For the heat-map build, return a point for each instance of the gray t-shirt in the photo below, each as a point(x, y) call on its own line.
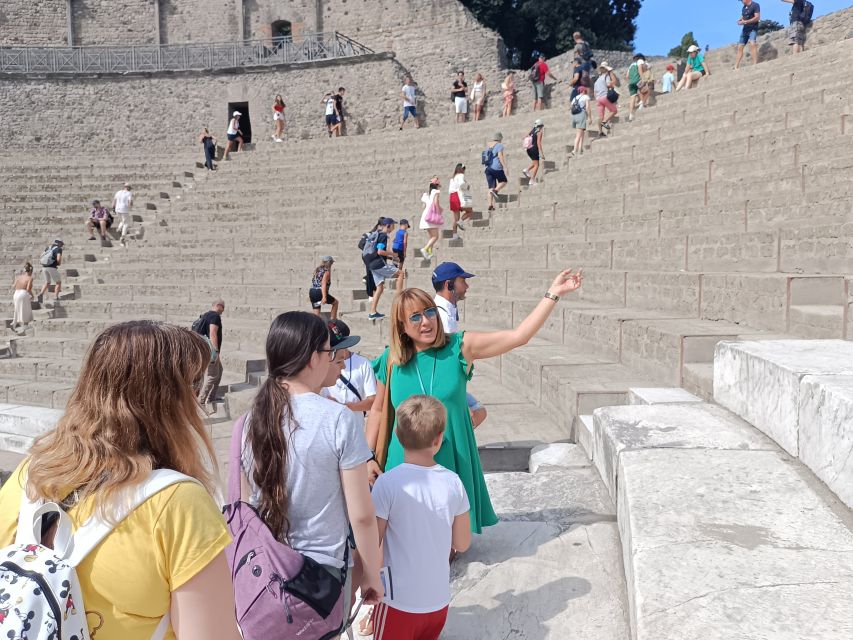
point(327, 440)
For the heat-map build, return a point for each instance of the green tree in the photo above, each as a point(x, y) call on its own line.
point(681, 50)
point(547, 25)
point(768, 26)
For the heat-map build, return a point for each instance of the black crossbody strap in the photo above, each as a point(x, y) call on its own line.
point(350, 387)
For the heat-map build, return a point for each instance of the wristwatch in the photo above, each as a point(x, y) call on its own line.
point(551, 296)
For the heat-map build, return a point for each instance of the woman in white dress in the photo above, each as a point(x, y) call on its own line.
point(478, 95)
point(430, 200)
point(23, 296)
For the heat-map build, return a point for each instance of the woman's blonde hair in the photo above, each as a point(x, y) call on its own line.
point(133, 410)
point(410, 301)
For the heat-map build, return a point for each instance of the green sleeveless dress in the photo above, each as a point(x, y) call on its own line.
point(443, 373)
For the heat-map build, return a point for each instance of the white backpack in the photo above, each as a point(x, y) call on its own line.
point(40, 595)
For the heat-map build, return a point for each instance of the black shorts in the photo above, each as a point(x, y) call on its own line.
point(401, 255)
point(233, 136)
point(533, 153)
point(331, 119)
point(494, 176)
point(316, 295)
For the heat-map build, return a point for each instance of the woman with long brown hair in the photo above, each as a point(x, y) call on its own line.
point(304, 461)
point(422, 359)
point(134, 411)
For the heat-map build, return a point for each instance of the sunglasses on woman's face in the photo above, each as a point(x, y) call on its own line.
point(332, 353)
point(429, 314)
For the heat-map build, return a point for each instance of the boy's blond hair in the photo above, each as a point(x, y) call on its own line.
point(420, 420)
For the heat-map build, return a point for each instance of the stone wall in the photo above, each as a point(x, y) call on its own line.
point(36, 23)
point(208, 21)
point(118, 22)
point(98, 113)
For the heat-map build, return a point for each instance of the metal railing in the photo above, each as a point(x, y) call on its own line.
point(180, 57)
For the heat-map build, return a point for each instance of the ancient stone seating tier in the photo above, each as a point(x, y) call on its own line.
point(718, 220)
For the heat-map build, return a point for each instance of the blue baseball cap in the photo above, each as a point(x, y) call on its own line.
point(388, 221)
point(449, 271)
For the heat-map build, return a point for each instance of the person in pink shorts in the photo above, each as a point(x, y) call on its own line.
point(605, 83)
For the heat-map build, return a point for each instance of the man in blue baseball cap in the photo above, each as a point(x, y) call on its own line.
point(450, 282)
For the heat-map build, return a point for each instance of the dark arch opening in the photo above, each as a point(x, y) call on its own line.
point(282, 31)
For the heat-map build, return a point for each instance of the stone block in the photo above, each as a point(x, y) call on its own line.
point(744, 251)
point(649, 255)
point(660, 395)
point(666, 426)
point(20, 425)
point(676, 292)
point(722, 544)
point(826, 431)
point(564, 455)
point(756, 300)
point(760, 380)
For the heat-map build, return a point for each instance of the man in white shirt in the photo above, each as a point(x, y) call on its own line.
point(450, 282)
point(122, 204)
point(356, 385)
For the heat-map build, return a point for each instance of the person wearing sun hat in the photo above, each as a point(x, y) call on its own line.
point(234, 134)
point(495, 163)
point(355, 386)
point(696, 68)
point(604, 84)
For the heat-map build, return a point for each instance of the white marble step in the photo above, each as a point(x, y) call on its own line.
point(723, 534)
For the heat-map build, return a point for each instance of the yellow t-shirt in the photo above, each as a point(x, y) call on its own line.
point(127, 579)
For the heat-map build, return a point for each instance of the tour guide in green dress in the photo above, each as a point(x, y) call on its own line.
point(426, 361)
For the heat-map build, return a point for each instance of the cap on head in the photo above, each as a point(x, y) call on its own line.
point(605, 65)
point(94, 202)
point(236, 113)
point(339, 335)
point(669, 67)
point(327, 259)
point(387, 221)
point(692, 48)
point(538, 122)
point(58, 241)
point(498, 136)
point(403, 221)
point(449, 271)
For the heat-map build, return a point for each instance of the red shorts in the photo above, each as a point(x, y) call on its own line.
point(455, 203)
point(392, 624)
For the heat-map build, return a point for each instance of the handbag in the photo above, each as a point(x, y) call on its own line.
point(278, 592)
point(433, 214)
point(612, 95)
point(386, 420)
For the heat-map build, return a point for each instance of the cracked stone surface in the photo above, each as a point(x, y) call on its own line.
point(760, 380)
point(672, 426)
point(826, 431)
point(732, 544)
point(551, 569)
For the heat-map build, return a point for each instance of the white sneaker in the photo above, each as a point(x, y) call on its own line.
point(640, 108)
point(455, 237)
point(526, 175)
point(278, 139)
point(461, 225)
point(424, 254)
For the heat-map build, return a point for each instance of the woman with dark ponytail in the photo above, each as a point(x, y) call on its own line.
point(304, 461)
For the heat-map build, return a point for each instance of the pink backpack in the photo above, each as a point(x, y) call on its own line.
point(278, 592)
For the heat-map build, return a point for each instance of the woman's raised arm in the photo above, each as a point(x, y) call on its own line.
point(477, 345)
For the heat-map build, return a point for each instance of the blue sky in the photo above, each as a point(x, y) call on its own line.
point(662, 23)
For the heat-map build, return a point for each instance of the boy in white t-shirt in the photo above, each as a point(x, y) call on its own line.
point(668, 79)
point(423, 513)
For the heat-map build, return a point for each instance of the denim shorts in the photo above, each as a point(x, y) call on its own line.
point(748, 34)
point(494, 176)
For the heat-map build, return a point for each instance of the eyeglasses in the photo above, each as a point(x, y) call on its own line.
point(332, 353)
point(429, 314)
